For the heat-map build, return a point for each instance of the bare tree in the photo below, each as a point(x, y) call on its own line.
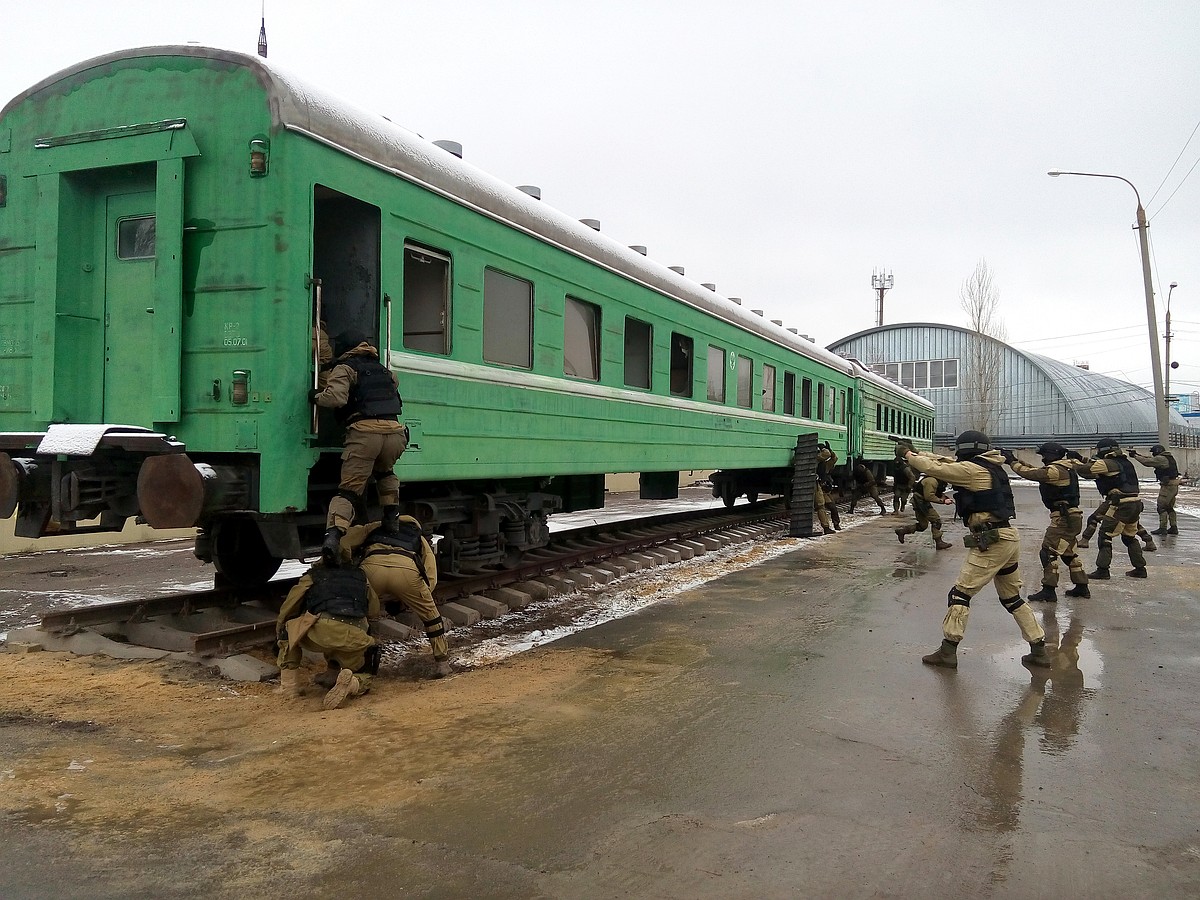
point(980, 300)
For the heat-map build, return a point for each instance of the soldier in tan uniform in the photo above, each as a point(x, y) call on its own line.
point(825, 494)
point(1097, 516)
point(986, 504)
point(327, 611)
point(1118, 484)
point(1058, 485)
point(864, 485)
point(365, 397)
point(400, 564)
point(902, 486)
point(929, 492)
point(1166, 470)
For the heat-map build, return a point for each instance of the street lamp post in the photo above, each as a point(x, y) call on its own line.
point(1160, 402)
point(1167, 337)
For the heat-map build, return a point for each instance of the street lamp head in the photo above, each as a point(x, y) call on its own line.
point(1174, 284)
point(1054, 173)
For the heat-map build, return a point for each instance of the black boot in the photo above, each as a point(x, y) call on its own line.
point(1159, 531)
point(1099, 575)
point(1037, 655)
point(833, 514)
point(1137, 572)
point(900, 533)
point(945, 656)
point(1080, 590)
point(1173, 530)
point(328, 678)
point(331, 549)
point(391, 519)
point(1047, 595)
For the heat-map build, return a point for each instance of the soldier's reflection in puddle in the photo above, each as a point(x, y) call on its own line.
point(1052, 704)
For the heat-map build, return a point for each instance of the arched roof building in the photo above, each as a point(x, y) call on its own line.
point(1032, 398)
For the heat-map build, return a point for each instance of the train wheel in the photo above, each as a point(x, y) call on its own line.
point(728, 494)
point(240, 554)
point(752, 497)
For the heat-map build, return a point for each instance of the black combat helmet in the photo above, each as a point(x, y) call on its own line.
point(1107, 445)
point(971, 443)
point(1157, 449)
point(1051, 450)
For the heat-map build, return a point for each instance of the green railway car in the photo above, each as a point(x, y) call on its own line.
point(175, 220)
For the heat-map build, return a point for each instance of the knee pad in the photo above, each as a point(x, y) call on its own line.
point(1046, 556)
point(1012, 604)
point(921, 526)
point(1007, 570)
point(348, 495)
point(434, 627)
point(958, 597)
point(1068, 559)
point(1128, 541)
point(1162, 508)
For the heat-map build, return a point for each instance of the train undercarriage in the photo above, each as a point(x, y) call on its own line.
point(74, 480)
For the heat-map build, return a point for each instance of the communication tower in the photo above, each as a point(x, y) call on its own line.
point(882, 282)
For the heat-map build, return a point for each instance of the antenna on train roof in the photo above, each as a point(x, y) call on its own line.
point(262, 33)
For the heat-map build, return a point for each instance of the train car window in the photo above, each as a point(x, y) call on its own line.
point(878, 418)
point(950, 376)
point(745, 382)
point(426, 299)
point(507, 319)
point(581, 340)
point(842, 405)
point(829, 410)
point(806, 398)
point(768, 389)
point(716, 374)
point(789, 393)
point(820, 401)
point(681, 365)
point(638, 343)
point(135, 238)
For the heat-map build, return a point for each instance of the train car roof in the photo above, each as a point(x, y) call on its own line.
point(299, 107)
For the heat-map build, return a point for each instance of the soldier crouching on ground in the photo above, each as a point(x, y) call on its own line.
point(327, 612)
point(1166, 470)
point(1058, 485)
point(400, 564)
point(1118, 484)
point(985, 503)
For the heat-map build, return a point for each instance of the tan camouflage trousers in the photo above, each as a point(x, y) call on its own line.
point(1059, 543)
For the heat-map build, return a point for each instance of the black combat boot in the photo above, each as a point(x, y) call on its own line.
point(1099, 575)
point(391, 519)
point(1173, 530)
point(331, 549)
point(945, 656)
point(1159, 531)
point(1080, 590)
point(939, 544)
point(833, 514)
point(900, 533)
point(1046, 595)
point(1037, 655)
point(1137, 572)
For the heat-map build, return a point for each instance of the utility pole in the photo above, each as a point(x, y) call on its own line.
point(882, 282)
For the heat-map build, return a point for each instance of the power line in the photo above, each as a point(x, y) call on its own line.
point(1172, 169)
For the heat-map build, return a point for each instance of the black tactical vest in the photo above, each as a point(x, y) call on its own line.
point(406, 539)
point(373, 396)
point(997, 500)
point(338, 592)
point(1053, 494)
point(1172, 471)
point(1123, 480)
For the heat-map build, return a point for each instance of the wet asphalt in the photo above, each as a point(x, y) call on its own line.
point(774, 733)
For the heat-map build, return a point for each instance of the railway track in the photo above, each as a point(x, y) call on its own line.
point(223, 621)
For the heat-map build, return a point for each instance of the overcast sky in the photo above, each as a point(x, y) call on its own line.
point(784, 150)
